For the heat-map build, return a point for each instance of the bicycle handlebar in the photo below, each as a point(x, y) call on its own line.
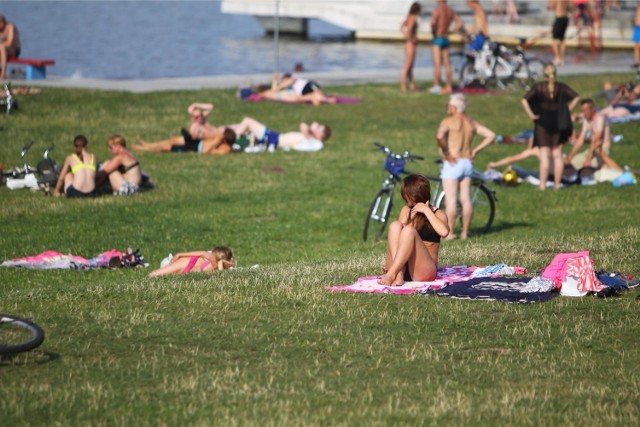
point(26, 148)
point(406, 155)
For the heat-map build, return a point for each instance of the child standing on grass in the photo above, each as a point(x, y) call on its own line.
point(220, 258)
point(414, 238)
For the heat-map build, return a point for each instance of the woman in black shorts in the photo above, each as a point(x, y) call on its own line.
point(545, 104)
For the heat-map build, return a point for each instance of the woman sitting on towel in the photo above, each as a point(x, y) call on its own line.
point(414, 238)
point(220, 258)
point(296, 90)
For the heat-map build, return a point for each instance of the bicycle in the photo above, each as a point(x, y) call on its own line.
point(383, 202)
point(47, 170)
point(497, 65)
point(483, 200)
point(18, 335)
point(482, 197)
point(9, 103)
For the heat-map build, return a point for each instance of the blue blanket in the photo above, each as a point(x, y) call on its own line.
point(510, 290)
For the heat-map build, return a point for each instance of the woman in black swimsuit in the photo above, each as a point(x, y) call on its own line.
point(123, 169)
point(414, 238)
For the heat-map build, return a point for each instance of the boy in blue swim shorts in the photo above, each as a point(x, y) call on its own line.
point(455, 135)
point(308, 138)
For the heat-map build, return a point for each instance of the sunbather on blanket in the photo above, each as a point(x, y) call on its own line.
point(220, 258)
point(214, 145)
point(296, 90)
point(199, 130)
point(414, 238)
point(626, 102)
point(308, 138)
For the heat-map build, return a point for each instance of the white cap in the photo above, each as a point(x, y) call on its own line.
point(458, 101)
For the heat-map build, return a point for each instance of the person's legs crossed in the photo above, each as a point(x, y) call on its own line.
point(413, 255)
point(393, 241)
point(249, 125)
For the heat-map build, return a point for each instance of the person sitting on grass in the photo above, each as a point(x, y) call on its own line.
point(78, 175)
point(594, 123)
point(220, 258)
point(214, 145)
point(123, 170)
point(294, 89)
point(414, 238)
point(308, 138)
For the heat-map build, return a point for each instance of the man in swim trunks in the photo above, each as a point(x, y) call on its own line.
point(480, 27)
point(455, 134)
point(214, 145)
point(441, 20)
point(309, 138)
point(558, 30)
point(10, 44)
point(78, 175)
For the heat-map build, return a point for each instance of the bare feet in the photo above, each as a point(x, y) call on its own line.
point(140, 140)
point(390, 280)
point(463, 236)
point(451, 236)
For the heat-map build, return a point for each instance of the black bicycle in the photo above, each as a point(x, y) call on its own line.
point(482, 197)
point(383, 202)
point(18, 335)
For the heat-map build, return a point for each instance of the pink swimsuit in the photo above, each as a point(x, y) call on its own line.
point(192, 262)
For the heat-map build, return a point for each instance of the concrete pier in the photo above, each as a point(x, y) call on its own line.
point(380, 19)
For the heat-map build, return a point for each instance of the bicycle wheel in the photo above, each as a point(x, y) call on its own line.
point(467, 74)
point(535, 70)
point(484, 209)
point(502, 73)
point(18, 335)
point(378, 214)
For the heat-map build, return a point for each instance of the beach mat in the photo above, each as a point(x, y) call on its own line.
point(511, 290)
point(446, 276)
point(256, 97)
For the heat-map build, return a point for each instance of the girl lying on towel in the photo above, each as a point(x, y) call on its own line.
point(414, 238)
point(220, 258)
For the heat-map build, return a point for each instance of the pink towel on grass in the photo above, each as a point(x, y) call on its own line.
point(255, 97)
point(446, 276)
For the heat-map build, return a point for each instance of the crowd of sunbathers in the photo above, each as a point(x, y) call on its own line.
point(204, 138)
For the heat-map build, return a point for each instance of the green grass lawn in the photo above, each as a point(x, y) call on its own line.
point(269, 346)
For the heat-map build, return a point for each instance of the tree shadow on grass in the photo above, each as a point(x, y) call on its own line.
point(34, 357)
point(504, 226)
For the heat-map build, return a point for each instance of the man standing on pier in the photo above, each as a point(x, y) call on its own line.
point(558, 30)
point(441, 20)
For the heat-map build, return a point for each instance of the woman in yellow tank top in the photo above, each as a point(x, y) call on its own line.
point(78, 174)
